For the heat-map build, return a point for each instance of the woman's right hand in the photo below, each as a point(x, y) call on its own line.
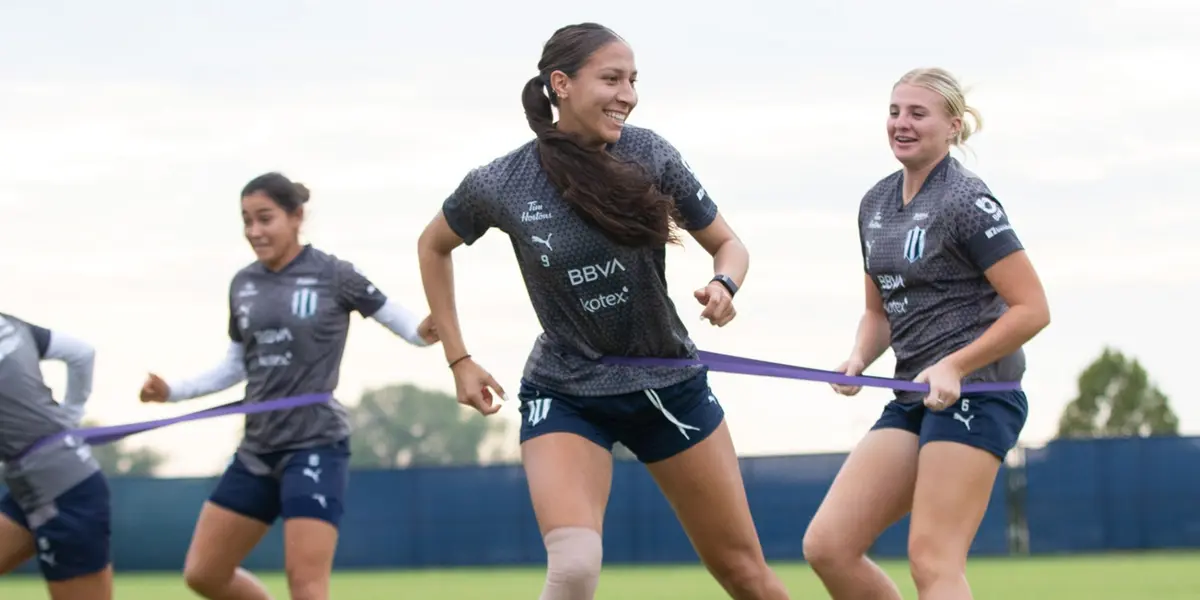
point(155, 389)
point(852, 367)
point(428, 331)
point(475, 385)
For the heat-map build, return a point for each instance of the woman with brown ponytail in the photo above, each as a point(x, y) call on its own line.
point(590, 205)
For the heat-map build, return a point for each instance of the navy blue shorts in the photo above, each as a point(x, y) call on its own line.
point(309, 483)
point(990, 421)
point(74, 539)
point(653, 424)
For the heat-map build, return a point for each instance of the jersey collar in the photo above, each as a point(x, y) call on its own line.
point(937, 171)
point(305, 250)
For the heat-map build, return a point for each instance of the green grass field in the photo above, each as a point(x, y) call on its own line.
point(1109, 577)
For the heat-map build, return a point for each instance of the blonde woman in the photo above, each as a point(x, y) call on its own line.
point(950, 289)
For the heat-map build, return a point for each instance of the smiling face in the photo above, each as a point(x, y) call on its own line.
point(595, 103)
point(274, 235)
point(920, 126)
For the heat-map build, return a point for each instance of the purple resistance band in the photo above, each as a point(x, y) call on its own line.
point(725, 363)
point(98, 436)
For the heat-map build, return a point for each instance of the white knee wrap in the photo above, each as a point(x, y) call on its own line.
point(573, 556)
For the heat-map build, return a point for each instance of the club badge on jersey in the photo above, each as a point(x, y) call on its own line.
point(914, 244)
point(304, 302)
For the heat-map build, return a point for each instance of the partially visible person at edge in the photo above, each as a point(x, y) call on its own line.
point(57, 506)
point(289, 317)
point(589, 206)
point(950, 289)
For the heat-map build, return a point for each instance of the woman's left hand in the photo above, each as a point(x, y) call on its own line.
point(718, 304)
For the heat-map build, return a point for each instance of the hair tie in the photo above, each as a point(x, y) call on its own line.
point(549, 89)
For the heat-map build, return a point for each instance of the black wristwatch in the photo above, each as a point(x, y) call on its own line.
point(727, 282)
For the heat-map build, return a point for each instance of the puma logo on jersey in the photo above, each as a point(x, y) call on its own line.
point(966, 421)
point(314, 474)
point(543, 241)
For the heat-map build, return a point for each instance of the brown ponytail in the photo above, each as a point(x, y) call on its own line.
point(618, 197)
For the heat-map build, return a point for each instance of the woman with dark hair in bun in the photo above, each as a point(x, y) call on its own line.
point(289, 316)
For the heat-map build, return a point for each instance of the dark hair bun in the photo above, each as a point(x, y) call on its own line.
point(302, 193)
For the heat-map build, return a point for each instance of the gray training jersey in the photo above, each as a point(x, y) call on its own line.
point(928, 260)
point(592, 297)
point(28, 412)
point(293, 325)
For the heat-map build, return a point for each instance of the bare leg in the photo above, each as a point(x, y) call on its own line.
point(221, 542)
point(16, 544)
point(873, 490)
point(309, 546)
point(96, 586)
point(954, 484)
point(704, 486)
point(569, 482)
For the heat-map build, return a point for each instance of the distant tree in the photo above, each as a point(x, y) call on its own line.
point(1117, 399)
point(115, 459)
point(404, 425)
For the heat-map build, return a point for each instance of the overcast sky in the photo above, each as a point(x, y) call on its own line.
point(128, 128)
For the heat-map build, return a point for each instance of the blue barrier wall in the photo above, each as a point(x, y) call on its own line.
point(1114, 494)
point(1079, 496)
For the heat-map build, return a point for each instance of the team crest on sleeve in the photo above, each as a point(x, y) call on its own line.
point(989, 206)
point(914, 244)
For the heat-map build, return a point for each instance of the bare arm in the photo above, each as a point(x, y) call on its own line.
point(730, 256)
point(1016, 281)
point(437, 276)
point(874, 334)
point(981, 226)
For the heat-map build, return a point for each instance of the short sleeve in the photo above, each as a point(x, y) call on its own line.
point(355, 292)
point(235, 332)
point(864, 245)
point(471, 210)
point(979, 226)
point(41, 338)
point(679, 181)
